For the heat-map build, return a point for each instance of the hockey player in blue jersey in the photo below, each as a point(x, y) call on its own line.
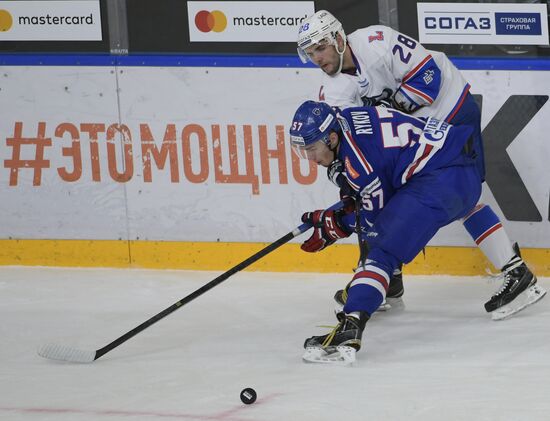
point(363, 67)
point(409, 177)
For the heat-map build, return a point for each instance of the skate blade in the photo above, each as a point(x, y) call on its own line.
point(388, 304)
point(385, 306)
point(528, 297)
point(342, 355)
point(394, 304)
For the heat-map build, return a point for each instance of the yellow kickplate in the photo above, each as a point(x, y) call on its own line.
point(223, 256)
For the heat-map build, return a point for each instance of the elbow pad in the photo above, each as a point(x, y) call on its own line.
point(407, 102)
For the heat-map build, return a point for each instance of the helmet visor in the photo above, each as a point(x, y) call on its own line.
point(307, 50)
point(313, 151)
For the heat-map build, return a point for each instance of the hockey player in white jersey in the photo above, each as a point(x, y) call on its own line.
point(376, 65)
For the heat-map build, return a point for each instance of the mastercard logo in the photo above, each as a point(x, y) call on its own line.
point(210, 21)
point(6, 21)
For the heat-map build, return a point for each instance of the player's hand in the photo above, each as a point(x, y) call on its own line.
point(335, 173)
point(347, 197)
point(384, 99)
point(326, 229)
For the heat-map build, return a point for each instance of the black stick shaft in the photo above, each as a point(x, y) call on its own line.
point(245, 263)
point(363, 245)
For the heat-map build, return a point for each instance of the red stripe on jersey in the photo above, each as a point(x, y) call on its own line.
point(459, 103)
point(419, 93)
point(488, 233)
point(413, 71)
point(372, 275)
point(358, 152)
point(416, 163)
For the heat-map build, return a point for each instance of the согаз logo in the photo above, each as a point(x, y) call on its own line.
point(210, 21)
point(6, 21)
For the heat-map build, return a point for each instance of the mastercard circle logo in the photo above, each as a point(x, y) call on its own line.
point(210, 21)
point(6, 21)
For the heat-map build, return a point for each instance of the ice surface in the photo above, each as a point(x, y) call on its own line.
point(441, 358)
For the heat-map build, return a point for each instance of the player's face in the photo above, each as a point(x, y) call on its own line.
point(325, 56)
point(318, 152)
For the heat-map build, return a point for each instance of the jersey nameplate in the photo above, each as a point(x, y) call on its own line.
point(361, 122)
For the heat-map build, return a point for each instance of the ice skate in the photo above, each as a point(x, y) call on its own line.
point(339, 346)
point(518, 290)
point(394, 296)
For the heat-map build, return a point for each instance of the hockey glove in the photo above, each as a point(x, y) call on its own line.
point(335, 173)
point(326, 229)
point(383, 99)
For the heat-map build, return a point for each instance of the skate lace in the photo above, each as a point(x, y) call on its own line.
point(331, 335)
point(508, 277)
point(345, 295)
point(504, 285)
point(506, 274)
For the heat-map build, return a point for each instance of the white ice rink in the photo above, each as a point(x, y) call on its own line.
point(441, 358)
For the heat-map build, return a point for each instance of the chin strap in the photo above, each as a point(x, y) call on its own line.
point(340, 53)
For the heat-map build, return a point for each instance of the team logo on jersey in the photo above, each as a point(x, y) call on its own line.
point(350, 170)
point(428, 76)
point(378, 37)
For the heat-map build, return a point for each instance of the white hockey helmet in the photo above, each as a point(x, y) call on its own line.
point(319, 27)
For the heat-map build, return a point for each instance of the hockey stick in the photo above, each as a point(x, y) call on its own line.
point(363, 245)
point(74, 355)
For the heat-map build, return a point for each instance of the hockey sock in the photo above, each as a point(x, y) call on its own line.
point(367, 290)
point(485, 228)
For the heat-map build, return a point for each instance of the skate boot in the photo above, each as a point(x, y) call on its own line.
point(340, 345)
point(519, 289)
point(393, 297)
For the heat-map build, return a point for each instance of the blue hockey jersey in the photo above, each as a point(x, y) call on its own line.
point(383, 149)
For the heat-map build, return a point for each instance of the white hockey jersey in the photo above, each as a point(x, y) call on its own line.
point(385, 58)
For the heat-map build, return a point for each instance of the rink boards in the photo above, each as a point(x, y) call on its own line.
point(189, 167)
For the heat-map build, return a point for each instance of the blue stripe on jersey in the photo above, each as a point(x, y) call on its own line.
point(425, 81)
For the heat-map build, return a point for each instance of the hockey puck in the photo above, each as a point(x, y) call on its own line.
point(248, 396)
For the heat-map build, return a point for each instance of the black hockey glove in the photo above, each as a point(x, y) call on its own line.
point(384, 99)
point(326, 229)
point(335, 173)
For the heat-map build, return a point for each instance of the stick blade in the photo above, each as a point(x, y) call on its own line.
point(66, 353)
